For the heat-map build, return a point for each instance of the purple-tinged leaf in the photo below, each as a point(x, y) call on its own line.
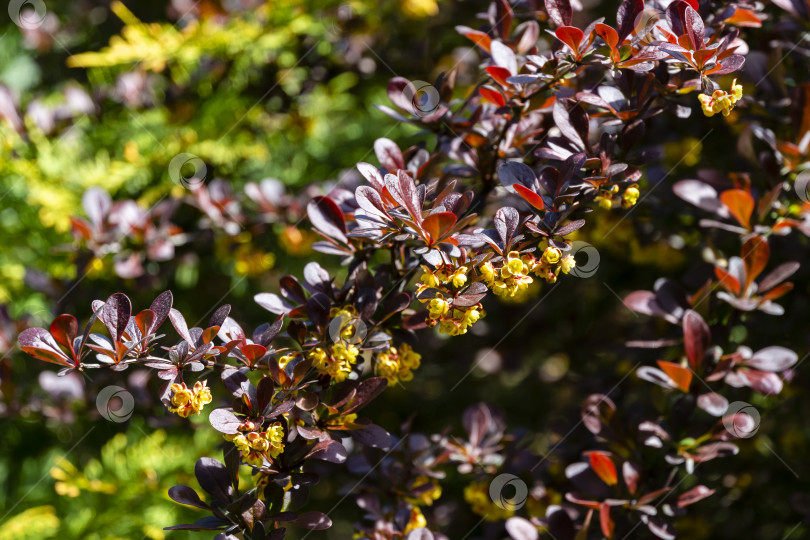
point(272, 303)
point(503, 56)
point(697, 493)
point(224, 421)
point(777, 276)
point(773, 358)
point(40, 344)
point(696, 338)
point(326, 216)
point(560, 12)
point(372, 174)
point(388, 154)
point(713, 403)
point(730, 64)
point(520, 528)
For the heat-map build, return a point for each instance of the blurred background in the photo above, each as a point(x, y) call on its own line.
point(100, 94)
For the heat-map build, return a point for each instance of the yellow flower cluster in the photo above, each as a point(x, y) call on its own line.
point(417, 520)
point(398, 363)
point(609, 197)
point(346, 314)
point(444, 275)
point(427, 495)
point(512, 278)
point(477, 495)
point(720, 100)
point(452, 320)
point(187, 401)
point(337, 363)
point(254, 446)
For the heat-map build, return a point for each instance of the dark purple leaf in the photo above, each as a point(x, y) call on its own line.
point(316, 521)
point(219, 316)
point(372, 435)
point(116, 313)
point(329, 450)
point(511, 172)
point(627, 15)
point(366, 392)
point(186, 495)
point(161, 307)
point(214, 479)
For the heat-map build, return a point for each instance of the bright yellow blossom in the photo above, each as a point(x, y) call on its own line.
point(187, 401)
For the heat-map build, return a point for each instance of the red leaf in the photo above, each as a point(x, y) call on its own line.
point(531, 197)
point(253, 352)
point(680, 375)
point(438, 224)
point(778, 292)
point(388, 154)
point(605, 521)
point(603, 466)
point(500, 74)
point(571, 36)
point(744, 17)
point(492, 95)
point(476, 36)
point(64, 329)
point(740, 204)
point(607, 33)
point(727, 281)
point(755, 254)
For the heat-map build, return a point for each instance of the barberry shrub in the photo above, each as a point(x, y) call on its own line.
point(515, 168)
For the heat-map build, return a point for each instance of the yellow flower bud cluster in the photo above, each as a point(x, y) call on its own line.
point(187, 401)
point(337, 363)
point(477, 496)
point(255, 446)
point(398, 363)
point(721, 101)
point(609, 198)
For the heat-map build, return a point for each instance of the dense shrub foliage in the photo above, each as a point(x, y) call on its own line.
point(554, 158)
